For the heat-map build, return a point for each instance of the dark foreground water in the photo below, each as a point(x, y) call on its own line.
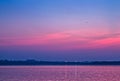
point(59, 73)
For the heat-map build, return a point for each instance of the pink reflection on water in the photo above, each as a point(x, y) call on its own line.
point(59, 73)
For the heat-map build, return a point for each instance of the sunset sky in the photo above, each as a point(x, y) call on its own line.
point(60, 30)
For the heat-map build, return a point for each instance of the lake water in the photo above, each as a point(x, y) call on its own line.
point(59, 73)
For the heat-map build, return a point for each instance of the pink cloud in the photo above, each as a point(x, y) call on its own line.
point(72, 39)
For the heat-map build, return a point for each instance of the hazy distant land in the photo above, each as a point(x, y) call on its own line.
point(35, 62)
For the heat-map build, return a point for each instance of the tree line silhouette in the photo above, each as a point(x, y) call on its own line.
point(36, 62)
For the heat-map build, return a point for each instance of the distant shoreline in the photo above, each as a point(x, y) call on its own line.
point(55, 63)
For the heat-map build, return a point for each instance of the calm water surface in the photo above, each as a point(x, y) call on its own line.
point(59, 73)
